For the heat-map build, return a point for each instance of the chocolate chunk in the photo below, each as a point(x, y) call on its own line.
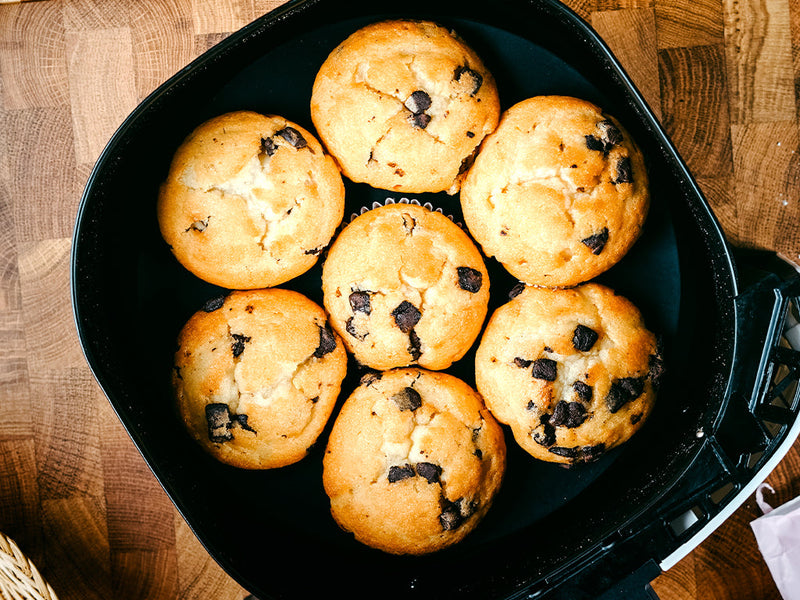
point(429, 471)
point(472, 79)
point(596, 242)
point(568, 414)
point(350, 327)
point(531, 405)
point(421, 120)
point(478, 453)
point(407, 399)
point(314, 251)
point(589, 453)
point(369, 378)
point(522, 363)
point(314, 400)
point(199, 225)
point(516, 290)
point(544, 368)
point(548, 349)
point(268, 146)
point(547, 435)
point(399, 473)
point(610, 134)
point(218, 417)
point(414, 345)
point(450, 518)
point(584, 338)
point(214, 304)
point(623, 391)
point(241, 421)
point(636, 418)
point(294, 137)
point(469, 279)
point(359, 302)
point(656, 371)
point(238, 346)
point(418, 102)
point(406, 315)
point(583, 391)
point(470, 134)
point(624, 172)
point(566, 452)
point(327, 341)
point(594, 143)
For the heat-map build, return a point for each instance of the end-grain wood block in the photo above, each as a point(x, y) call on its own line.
point(10, 298)
point(218, 16)
point(43, 191)
point(140, 515)
point(32, 59)
point(683, 23)
point(622, 4)
point(50, 335)
point(102, 87)
point(15, 406)
point(90, 14)
point(64, 411)
point(19, 496)
point(76, 563)
point(206, 41)
point(759, 61)
point(199, 576)
point(631, 35)
point(719, 191)
point(145, 574)
point(163, 46)
point(767, 176)
point(679, 582)
point(264, 6)
point(694, 107)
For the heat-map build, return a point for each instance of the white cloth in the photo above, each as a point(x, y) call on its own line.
point(778, 535)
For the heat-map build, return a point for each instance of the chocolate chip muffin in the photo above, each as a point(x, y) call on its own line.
point(573, 372)
point(413, 461)
point(405, 285)
point(256, 376)
point(250, 201)
point(403, 105)
point(558, 193)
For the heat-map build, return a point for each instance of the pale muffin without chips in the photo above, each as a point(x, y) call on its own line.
point(405, 285)
point(573, 372)
point(402, 105)
point(250, 201)
point(558, 192)
point(256, 377)
point(413, 461)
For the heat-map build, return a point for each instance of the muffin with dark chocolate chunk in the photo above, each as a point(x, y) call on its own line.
point(558, 193)
point(250, 201)
point(405, 285)
point(573, 372)
point(256, 376)
point(403, 105)
point(413, 461)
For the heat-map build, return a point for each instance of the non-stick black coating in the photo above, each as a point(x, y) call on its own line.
point(272, 530)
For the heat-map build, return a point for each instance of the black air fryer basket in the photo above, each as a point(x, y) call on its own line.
point(726, 413)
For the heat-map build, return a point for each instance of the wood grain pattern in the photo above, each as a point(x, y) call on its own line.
point(685, 23)
point(631, 35)
point(694, 107)
point(759, 60)
point(723, 76)
point(766, 181)
point(105, 57)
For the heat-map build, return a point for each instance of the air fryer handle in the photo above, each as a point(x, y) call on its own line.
point(769, 286)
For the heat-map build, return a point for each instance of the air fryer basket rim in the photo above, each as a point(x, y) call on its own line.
point(726, 286)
